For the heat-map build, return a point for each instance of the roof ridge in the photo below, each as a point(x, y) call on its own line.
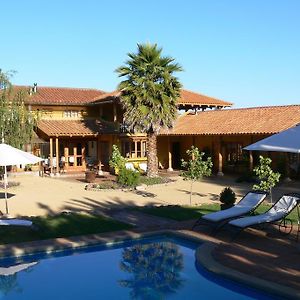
point(61, 87)
point(249, 108)
point(211, 97)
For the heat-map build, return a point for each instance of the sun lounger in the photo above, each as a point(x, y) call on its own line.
point(245, 206)
point(278, 212)
point(15, 222)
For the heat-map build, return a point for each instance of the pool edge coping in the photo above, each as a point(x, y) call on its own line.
point(204, 257)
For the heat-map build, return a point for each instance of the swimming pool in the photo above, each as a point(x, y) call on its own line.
point(159, 267)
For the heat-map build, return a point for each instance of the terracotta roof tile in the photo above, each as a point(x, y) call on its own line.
point(76, 127)
point(61, 95)
point(186, 97)
point(257, 120)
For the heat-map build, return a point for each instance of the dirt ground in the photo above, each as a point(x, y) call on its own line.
point(43, 195)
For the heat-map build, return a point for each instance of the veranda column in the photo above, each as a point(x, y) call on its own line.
point(51, 156)
point(99, 156)
point(220, 158)
point(250, 161)
point(66, 154)
point(75, 156)
point(57, 155)
point(83, 162)
point(115, 112)
point(170, 169)
point(287, 168)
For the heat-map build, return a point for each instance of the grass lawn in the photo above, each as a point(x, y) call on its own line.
point(59, 226)
point(182, 213)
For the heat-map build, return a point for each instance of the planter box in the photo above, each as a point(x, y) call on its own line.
point(90, 176)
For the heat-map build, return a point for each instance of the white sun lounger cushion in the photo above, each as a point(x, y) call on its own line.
point(250, 201)
point(129, 166)
point(282, 208)
point(15, 222)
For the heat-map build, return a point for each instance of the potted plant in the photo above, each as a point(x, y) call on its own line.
point(227, 198)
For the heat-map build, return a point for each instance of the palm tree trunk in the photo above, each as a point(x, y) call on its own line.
point(152, 168)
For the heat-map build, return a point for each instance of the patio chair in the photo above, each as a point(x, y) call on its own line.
point(277, 214)
point(245, 206)
point(15, 222)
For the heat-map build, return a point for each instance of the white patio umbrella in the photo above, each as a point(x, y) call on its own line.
point(10, 156)
point(284, 141)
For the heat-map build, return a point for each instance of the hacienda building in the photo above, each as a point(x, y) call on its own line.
point(79, 126)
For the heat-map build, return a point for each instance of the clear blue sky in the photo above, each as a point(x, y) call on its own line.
point(243, 51)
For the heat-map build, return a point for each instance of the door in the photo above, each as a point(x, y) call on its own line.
point(176, 158)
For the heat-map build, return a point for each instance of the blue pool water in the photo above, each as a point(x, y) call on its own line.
point(156, 268)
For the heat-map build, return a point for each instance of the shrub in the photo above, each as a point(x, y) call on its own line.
point(227, 198)
point(154, 180)
point(128, 177)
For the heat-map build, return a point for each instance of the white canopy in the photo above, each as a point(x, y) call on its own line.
point(10, 156)
point(284, 141)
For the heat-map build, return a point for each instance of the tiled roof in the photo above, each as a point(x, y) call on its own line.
point(186, 98)
point(61, 95)
point(76, 127)
point(192, 98)
point(256, 120)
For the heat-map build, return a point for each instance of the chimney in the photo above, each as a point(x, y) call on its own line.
point(34, 88)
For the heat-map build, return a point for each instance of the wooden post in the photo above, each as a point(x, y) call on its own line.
point(66, 153)
point(220, 158)
point(170, 169)
point(83, 156)
point(51, 156)
point(287, 168)
point(250, 161)
point(115, 112)
point(57, 155)
point(100, 172)
point(75, 156)
point(135, 149)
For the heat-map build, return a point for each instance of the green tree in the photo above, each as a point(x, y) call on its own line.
point(16, 121)
point(268, 178)
point(196, 167)
point(155, 270)
point(149, 95)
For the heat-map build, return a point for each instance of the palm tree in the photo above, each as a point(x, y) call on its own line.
point(155, 270)
point(148, 95)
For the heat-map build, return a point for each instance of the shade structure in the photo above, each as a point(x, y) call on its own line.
point(284, 141)
point(10, 156)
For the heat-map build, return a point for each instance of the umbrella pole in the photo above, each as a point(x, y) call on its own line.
point(5, 189)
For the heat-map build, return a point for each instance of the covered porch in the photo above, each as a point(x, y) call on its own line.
point(76, 145)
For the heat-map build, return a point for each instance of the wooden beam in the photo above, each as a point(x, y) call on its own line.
point(57, 155)
point(51, 156)
point(170, 168)
point(75, 156)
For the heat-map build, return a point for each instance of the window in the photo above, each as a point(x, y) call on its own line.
point(133, 148)
point(72, 113)
point(234, 152)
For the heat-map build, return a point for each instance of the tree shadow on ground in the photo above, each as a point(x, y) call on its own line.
point(88, 205)
point(265, 253)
